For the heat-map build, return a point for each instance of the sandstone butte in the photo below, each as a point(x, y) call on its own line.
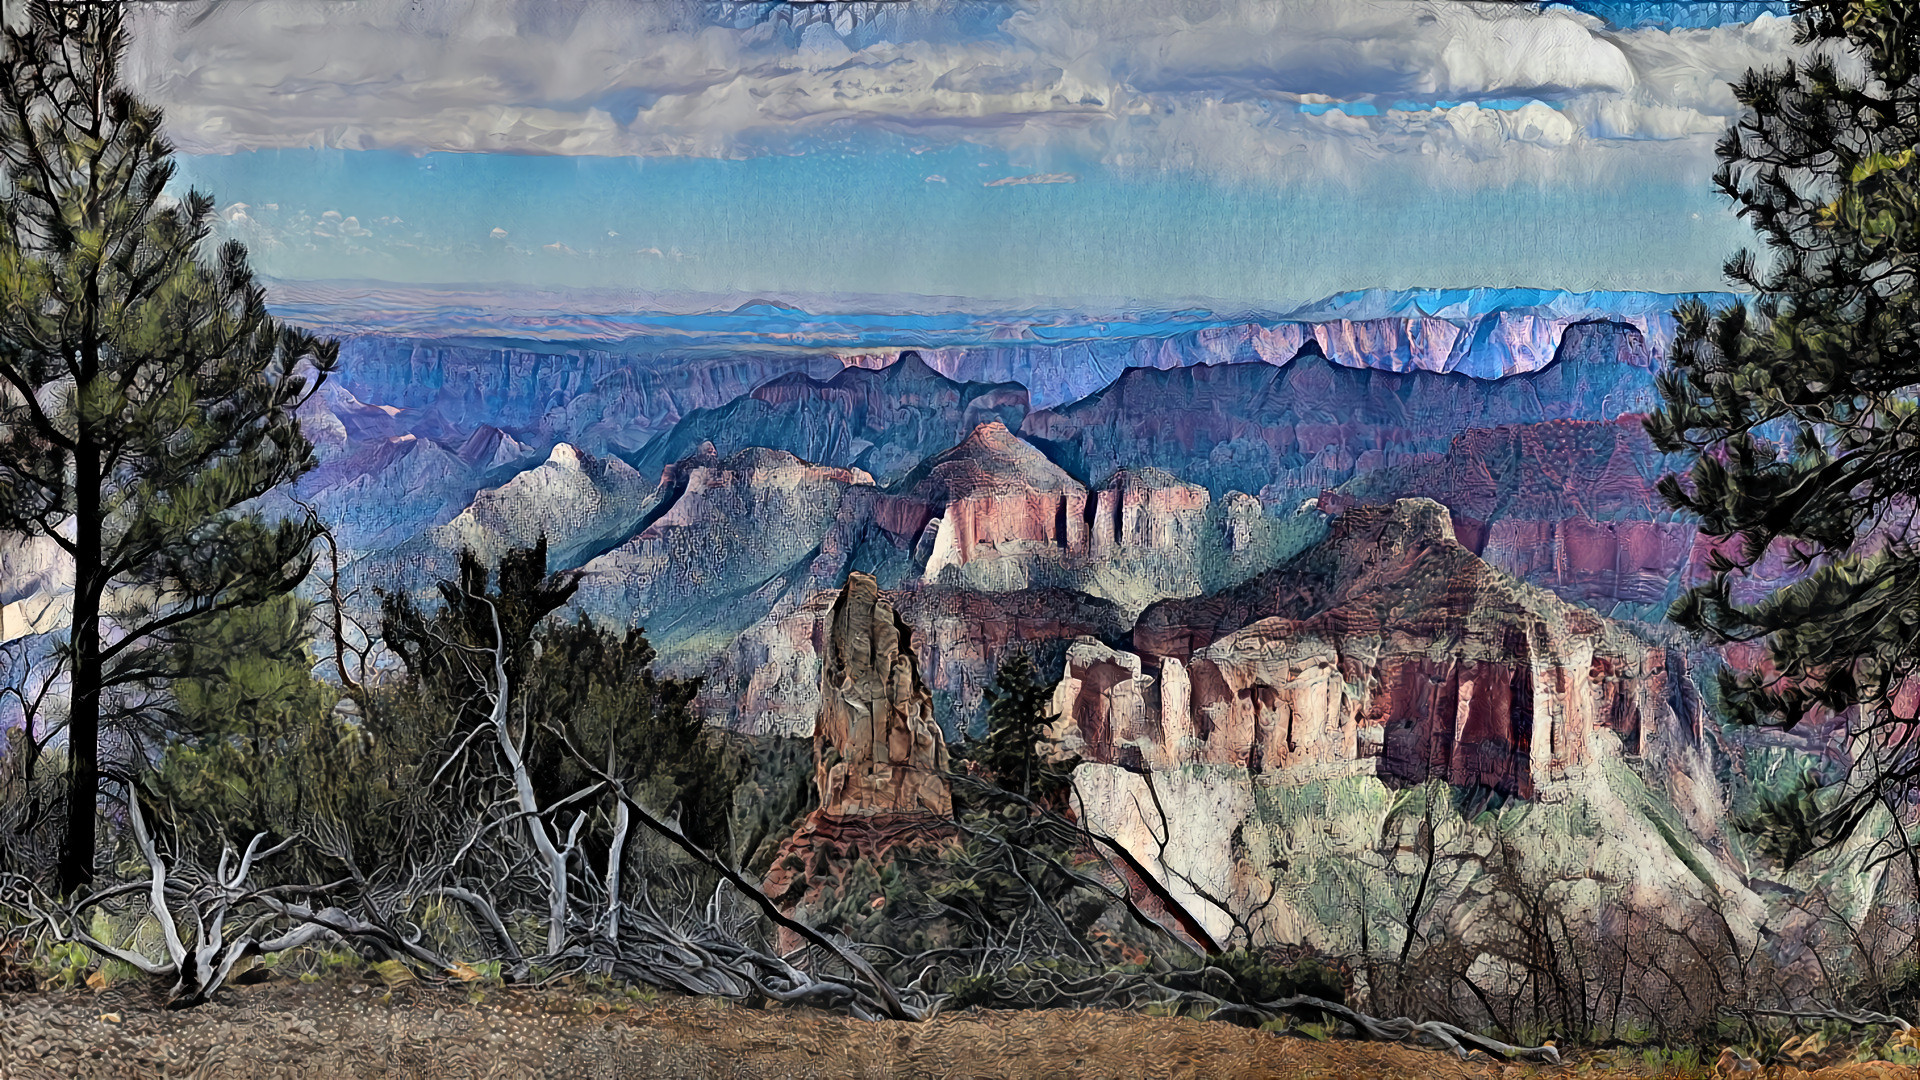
point(996, 495)
point(992, 493)
point(876, 746)
point(1388, 645)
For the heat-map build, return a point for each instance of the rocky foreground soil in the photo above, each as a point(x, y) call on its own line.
point(288, 1029)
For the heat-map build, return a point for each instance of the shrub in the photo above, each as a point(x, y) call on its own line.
point(1258, 977)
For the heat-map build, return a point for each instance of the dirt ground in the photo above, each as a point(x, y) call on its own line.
point(286, 1029)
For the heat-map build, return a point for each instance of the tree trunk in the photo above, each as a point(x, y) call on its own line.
point(621, 822)
point(83, 722)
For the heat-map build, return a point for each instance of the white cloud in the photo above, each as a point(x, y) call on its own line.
point(1035, 178)
point(498, 233)
point(1525, 53)
point(1213, 85)
point(266, 227)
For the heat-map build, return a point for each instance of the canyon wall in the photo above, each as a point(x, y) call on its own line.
point(1390, 649)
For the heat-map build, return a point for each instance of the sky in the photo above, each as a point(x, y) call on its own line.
point(1244, 153)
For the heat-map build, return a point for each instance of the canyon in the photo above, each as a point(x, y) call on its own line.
point(712, 495)
point(1277, 571)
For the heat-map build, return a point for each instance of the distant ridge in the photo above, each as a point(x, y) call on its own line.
point(781, 323)
point(1456, 305)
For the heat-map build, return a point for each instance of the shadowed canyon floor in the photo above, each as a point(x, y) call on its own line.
point(343, 1029)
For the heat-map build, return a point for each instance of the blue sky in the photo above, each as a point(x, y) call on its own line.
point(1232, 152)
point(872, 223)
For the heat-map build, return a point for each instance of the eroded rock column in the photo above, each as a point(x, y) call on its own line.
point(877, 748)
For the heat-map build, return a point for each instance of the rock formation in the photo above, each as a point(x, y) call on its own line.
point(1310, 421)
point(884, 421)
point(769, 678)
point(1146, 509)
point(1387, 648)
point(488, 448)
point(597, 398)
point(880, 761)
point(714, 542)
point(876, 746)
point(36, 586)
point(1485, 333)
point(994, 499)
point(1568, 505)
point(579, 502)
point(380, 493)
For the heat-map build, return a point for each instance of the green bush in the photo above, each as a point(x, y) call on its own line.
point(984, 990)
point(1258, 978)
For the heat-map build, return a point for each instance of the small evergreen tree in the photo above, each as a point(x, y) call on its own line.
point(1018, 751)
point(600, 687)
point(577, 677)
point(433, 646)
point(258, 743)
point(1798, 411)
point(146, 397)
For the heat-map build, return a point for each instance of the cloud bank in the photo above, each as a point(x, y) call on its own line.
point(1249, 90)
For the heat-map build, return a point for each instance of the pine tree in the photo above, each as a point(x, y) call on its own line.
point(1798, 410)
point(577, 677)
point(256, 744)
point(146, 397)
point(1018, 750)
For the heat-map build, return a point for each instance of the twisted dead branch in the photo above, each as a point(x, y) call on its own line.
point(882, 999)
point(1855, 1020)
point(1458, 1040)
point(203, 966)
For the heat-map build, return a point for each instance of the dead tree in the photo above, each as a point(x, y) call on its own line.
point(274, 919)
point(32, 799)
point(555, 855)
point(872, 995)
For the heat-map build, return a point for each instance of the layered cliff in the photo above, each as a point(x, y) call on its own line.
point(717, 544)
point(1310, 423)
point(600, 396)
point(580, 503)
point(990, 506)
point(1484, 333)
point(885, 422)
point(452, 366)
point(1388, 648)
point(1569, 505)
point(380, 493)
